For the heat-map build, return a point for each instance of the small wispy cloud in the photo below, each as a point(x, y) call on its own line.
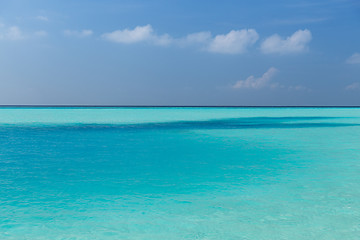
point(233, 42)
point(266, 81)
point(75, 33)
point(256, 83)
point(353, 86)
point(42, 18)
point(299, 88)
point(136, 35)
point(14, 33)
point(199, 37)
point(11, 33)
point(296, 43)
point(354, 59)
point(40, 33)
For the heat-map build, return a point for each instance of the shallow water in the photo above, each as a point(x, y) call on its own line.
point(179, 173)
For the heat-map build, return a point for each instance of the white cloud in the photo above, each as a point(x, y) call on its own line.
point(256, 83)
point(296, 43)
point(163, 40)
point(354, 59)
point(11, 33)
point(236, 41)
point(353, 86)
point(138, 34)
point(82, 33)
point(42, 18)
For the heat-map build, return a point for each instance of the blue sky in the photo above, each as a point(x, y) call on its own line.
point(180, 52)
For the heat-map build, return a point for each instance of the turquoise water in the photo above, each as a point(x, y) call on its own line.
point(180, 173)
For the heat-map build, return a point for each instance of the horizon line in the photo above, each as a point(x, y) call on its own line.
point(175, 106)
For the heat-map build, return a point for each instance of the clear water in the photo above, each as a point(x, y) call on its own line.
point(180, 173)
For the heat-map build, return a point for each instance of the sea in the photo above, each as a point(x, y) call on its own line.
point(171, 173)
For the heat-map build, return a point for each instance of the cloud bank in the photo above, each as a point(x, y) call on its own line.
point(234, 42)
point(296, 43)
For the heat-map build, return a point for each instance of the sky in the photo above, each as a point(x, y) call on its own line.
point(180, 52)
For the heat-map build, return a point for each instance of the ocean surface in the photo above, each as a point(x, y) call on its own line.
point(180, 173)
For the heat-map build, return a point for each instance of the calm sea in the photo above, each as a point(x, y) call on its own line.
point(180, 173)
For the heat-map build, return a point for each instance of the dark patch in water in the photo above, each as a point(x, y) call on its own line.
point(230, 123)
